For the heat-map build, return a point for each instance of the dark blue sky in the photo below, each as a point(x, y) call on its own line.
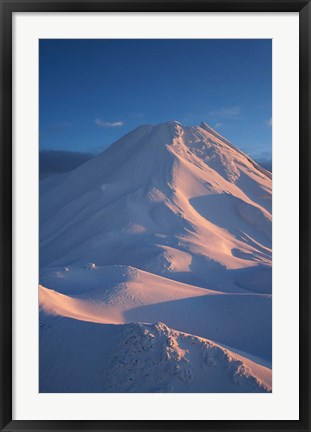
point(94, 91)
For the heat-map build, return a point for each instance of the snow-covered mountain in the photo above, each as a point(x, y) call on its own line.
point(176, 201)
point(170, 224)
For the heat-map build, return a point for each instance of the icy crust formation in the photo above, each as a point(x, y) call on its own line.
point(141, 358)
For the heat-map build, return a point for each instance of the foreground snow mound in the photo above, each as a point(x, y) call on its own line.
point(84, 357)
point(155, 358)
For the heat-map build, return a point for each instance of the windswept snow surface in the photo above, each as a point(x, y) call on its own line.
point(170, 225)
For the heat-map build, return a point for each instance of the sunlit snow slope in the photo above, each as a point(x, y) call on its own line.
point(170, 224)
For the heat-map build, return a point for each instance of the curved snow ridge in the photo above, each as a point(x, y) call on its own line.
point(155, 358)
point(86, 282)
point(57, 304)
point(105, 294)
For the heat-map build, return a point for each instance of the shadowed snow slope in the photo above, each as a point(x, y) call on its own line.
point(170, 224)
point(139, 358)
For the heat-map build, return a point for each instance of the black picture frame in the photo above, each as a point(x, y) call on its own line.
point(7, 9)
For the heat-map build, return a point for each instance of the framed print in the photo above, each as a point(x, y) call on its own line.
point(155, 215)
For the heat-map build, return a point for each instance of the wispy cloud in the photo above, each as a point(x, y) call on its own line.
point(104, 124)
point(218, 125)
point(269, 122)
point(226, 112)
